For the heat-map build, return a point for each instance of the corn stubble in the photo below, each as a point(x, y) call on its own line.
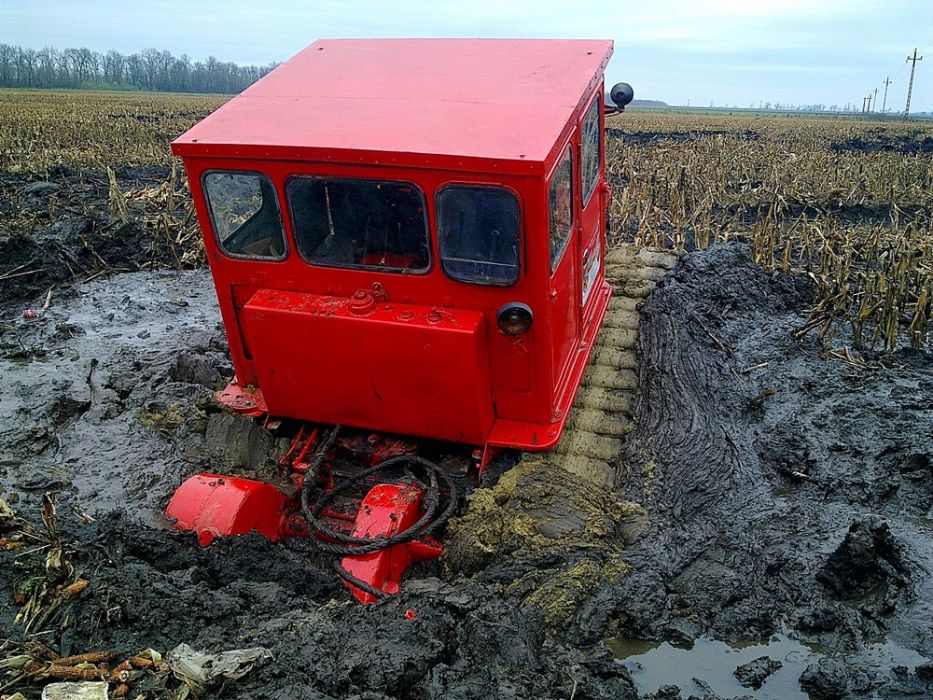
point(41, 131)
point(854, 218)
point(857, 222)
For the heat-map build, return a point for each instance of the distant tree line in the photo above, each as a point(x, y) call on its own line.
point(149, 69)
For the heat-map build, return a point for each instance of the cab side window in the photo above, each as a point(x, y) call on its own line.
point(245, 214)
point(560, 198)
point(591, 145)
point(478, 230)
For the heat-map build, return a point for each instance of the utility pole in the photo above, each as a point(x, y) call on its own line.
point(868, 108)
point(875, 101)
point(884, 104)
point(910, 87)
point(863, 104)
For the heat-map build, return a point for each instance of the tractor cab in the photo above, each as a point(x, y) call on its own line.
point(408, 236)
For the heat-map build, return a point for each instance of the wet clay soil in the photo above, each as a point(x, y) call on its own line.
point(106, 398)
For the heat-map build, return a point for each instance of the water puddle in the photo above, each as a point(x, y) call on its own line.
point(709, 664)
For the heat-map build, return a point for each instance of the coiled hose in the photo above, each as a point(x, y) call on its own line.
point(435, 483)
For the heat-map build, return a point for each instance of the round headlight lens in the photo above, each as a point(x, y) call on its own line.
point(514, 318)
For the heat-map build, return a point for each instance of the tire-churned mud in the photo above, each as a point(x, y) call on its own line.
point(764, 490)
point(786, 491)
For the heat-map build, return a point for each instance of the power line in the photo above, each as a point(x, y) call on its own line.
point(910, 87)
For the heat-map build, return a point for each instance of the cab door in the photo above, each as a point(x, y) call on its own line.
point(592, 219)
point(564, 252)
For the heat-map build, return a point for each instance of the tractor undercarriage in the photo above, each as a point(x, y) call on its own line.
point(370, 502)
point(373, 502)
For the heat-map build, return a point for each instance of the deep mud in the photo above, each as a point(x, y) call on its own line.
point(61, 227)
point(107, 399)
point(786, 491)
point(793, 496)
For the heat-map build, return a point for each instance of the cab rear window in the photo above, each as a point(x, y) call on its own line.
point(245, 214)
point(355, 223)
point(478, 232)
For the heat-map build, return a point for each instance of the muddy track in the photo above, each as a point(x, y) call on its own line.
point(603, 409)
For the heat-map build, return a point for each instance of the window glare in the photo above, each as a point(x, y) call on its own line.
point(560, 197)
point(590, 147)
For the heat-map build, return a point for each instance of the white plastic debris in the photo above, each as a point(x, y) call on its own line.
point(75, 691)
point(200, 669)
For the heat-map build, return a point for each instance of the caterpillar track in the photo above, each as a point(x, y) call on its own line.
point(603, 410)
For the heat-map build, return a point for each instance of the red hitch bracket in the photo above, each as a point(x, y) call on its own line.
point(387, 510)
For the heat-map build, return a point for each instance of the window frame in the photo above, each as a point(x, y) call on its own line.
point(587, 196)
point(213, 219)
point(521, 219)
point(368, 268)
point(568, 155)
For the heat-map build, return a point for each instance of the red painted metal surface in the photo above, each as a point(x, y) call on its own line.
point(245, 400)
point(214, 506)
point(489, 105)
point(387, 510)
point(404, 368)
point(538, 437)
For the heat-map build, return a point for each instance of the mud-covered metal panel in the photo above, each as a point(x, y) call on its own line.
point(391, 367)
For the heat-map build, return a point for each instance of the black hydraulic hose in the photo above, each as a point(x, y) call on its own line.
point(429, 521)
point(313, 472)
point(349, 545)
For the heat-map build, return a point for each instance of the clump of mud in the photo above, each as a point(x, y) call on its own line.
point(868, 562)
point(542, 536)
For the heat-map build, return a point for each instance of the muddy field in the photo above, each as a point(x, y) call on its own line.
point(782, 492)
point(770, 533)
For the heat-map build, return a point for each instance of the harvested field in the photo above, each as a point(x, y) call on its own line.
point(847, 202)
point(767, 482)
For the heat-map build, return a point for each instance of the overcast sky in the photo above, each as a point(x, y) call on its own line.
point(734, 52)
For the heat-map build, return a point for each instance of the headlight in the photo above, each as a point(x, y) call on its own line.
point(514, 318)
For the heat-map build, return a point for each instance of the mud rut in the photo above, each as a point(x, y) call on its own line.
point(604, 407)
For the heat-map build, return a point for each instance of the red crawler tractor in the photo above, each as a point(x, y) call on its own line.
point(407, 237)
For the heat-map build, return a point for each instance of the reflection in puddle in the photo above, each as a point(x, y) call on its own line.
point(709, 665)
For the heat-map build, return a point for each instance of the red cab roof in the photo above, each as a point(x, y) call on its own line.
point(476, 104)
